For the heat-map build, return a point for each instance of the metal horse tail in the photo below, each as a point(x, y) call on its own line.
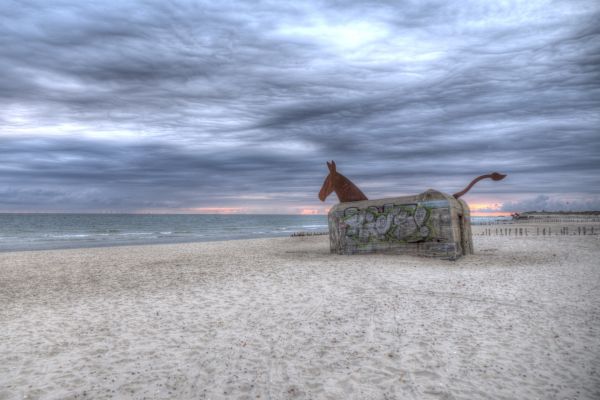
point(494, 176)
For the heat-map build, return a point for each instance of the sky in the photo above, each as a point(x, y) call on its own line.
point(235, 106)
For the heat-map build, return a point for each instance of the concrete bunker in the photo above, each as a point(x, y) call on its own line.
point(432, 224)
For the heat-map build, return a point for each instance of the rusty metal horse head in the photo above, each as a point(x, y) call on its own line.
point(347, 191)
point(335, 182)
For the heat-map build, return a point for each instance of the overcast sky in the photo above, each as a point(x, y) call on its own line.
point(176, 106)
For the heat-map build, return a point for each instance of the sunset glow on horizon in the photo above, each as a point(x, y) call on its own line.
point(218, 210)
point(487, 209)
point(310, 212)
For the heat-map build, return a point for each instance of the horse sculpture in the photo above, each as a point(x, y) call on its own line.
point(347, 191)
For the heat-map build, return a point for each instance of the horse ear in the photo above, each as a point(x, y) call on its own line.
point(331, 166)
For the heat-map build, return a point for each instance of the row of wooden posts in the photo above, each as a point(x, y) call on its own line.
point(547, 231)
point(303, 233)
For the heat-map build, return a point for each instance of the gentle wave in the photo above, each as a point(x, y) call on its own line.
point(68, 236)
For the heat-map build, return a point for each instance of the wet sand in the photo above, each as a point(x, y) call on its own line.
point(284, 319)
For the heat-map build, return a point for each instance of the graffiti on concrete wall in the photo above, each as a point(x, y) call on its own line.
point(407, 223)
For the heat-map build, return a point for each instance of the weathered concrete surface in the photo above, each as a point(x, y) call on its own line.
point(431, 224)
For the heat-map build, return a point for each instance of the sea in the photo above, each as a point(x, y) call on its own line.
point(59, 231)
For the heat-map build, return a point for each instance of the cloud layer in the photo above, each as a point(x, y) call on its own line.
point(176, 106)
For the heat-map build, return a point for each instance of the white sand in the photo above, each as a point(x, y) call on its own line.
point(282, 318)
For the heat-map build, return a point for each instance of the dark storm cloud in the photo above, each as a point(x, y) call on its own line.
point(175, 105)
point(107, 173)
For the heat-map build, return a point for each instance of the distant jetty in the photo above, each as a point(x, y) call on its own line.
point(558, 216)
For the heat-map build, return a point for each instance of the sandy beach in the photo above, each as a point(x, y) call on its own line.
point(285, 319)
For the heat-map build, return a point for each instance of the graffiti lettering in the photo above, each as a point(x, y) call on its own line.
point(405, 223)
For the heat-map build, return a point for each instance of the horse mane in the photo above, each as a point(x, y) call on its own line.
point(346, 190)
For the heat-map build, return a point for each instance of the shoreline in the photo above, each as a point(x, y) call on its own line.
point(75, 246)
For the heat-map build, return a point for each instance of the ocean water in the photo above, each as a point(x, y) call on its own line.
point(53, 231)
